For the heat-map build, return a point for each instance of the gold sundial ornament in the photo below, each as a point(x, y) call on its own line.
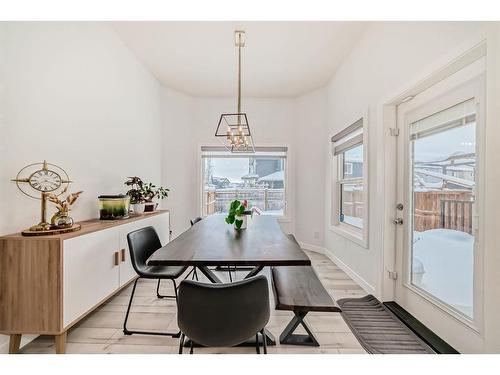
point(44, 178)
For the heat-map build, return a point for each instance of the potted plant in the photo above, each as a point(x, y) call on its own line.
point(142, 194)
point(151, 192)
point(237, 214)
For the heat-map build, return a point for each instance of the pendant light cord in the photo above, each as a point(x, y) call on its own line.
point(239, 75)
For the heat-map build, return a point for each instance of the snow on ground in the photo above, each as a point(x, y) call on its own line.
point(447, 257)
point(354, 221)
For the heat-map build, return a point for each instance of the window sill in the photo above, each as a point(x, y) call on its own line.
point(350, 234)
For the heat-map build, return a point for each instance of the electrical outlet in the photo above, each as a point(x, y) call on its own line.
point(316, 235)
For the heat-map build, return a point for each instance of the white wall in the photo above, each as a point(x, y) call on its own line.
point(75, 95)
point(388, 59)
point(179, 159)
point(310, 148)
point(298, 123)
point(272, 124)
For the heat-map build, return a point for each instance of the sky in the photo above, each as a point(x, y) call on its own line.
point(232, 168)
point(441, 145)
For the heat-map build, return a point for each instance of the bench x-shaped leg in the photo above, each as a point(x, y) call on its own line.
point(289, 338)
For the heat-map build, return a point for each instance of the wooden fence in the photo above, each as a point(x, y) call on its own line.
point(217, 200)
point(443, 209)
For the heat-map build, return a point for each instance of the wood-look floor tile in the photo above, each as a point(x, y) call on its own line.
point(101, 332)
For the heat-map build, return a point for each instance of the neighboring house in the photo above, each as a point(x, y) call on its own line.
point(274, 180)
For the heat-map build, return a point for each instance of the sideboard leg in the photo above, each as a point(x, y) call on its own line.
point(14, 343)
point(61, 343)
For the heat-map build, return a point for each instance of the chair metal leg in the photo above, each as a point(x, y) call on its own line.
point(264, 340)
point(126, 331)
point(158, 289)
point(181, 343)
point(158, 295)
point(257, 345)
point(192, 346)
point(175, 290)
point(229, 271)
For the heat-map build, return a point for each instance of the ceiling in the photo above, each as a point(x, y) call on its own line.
point(280, 59)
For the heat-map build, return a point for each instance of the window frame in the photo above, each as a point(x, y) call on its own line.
point(282, 218)
point(351, 232)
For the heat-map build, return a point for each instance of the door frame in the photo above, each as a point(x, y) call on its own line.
point(469, 82)
point(477, 49)
point(387, 260)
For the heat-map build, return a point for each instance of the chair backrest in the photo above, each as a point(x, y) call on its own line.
point(142, 243)
point(223, 314)
point(195, 220)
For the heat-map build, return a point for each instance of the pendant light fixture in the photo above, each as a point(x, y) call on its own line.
point(233, 129)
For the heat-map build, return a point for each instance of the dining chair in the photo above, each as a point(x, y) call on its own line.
point(142, 243)
point(193, 222)
point(221, 315)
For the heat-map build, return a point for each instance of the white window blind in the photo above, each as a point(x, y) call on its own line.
point(348, 138)
point(260, 152)
point(460, 114)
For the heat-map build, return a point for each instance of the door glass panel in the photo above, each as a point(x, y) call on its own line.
point(443, 165)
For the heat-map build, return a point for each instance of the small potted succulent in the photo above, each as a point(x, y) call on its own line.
point(238, 214)
point(142, 194)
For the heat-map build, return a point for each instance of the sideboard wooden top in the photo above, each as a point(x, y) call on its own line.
point(88, 226)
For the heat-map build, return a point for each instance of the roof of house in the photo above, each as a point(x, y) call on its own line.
point(275, 176)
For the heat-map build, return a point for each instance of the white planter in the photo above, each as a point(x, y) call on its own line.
point(244, 218)
point(138, 208)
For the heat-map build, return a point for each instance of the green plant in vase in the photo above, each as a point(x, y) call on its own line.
point(237, 214)
point(142, 194)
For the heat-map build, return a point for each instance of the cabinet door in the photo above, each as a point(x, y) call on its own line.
point(127, 272)
point(159, 222)
point(90, 273)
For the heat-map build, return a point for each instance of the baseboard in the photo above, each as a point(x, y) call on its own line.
point(4, 346)
point(315, 248)
point(367, 287)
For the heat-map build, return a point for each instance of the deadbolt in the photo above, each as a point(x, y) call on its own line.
point(400, 206)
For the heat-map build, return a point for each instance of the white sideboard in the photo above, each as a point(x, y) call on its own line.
point(50, 283)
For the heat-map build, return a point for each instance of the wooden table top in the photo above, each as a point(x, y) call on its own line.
point(212, 242)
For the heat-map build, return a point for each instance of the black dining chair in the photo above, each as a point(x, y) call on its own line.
point(221, 315)
point(142, 244)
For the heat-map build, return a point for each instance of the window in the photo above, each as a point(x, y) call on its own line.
point(260, 178)
point(350, 189)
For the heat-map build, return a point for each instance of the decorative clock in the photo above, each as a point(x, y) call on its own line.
point(40, 181)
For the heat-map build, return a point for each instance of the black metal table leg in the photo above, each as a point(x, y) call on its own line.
point(210, 275)
point(254, 271)
point(288, 337)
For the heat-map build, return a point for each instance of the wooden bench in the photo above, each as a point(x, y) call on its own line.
point(299, 289)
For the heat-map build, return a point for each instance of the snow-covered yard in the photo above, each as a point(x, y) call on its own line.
point(443, 263)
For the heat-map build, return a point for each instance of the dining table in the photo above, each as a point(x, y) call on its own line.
point(212, 242)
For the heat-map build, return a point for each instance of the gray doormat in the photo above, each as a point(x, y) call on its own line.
point(378, 330)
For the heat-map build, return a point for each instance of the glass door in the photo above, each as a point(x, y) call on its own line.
point(438, 254)
point(442, 182)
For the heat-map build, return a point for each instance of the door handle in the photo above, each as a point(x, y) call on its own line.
point(398, 221)
point(117, 258)
point(122, 251)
